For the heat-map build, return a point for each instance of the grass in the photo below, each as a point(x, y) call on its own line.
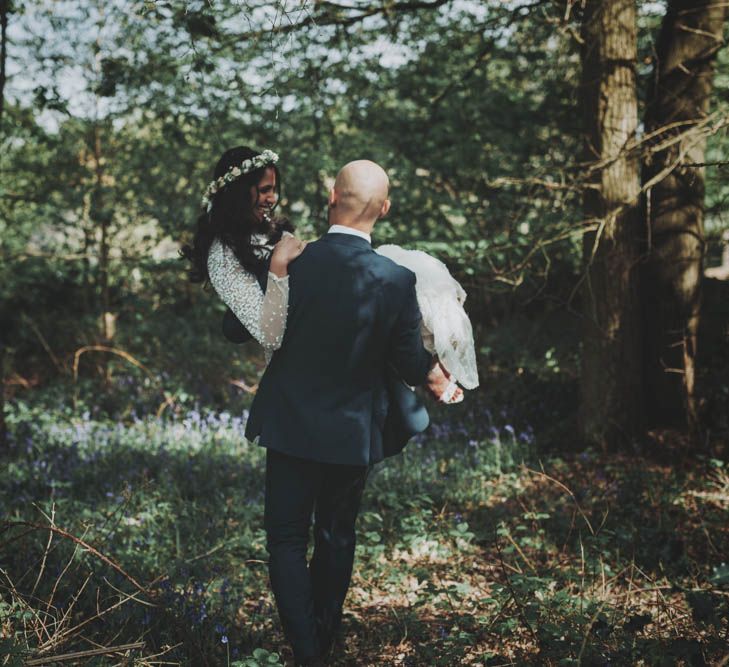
point(473, 549)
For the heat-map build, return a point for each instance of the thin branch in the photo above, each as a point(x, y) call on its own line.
point(332, 19)
point(86, 654)
point(112, 350)
point(94, 552)
point(718, 163)
point(45, 552)
point(564, 488)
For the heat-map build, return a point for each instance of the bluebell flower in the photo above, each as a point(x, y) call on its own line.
point(224, 639)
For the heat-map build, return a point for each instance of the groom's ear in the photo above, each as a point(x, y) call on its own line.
point(385, 208)
point(332, 198)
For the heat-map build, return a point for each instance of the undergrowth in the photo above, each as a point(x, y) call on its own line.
point(139, 541)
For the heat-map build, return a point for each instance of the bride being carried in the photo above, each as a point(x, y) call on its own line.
point(343, 333)
point(244, 250)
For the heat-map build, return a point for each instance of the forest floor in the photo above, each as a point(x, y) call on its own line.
point(474, 549)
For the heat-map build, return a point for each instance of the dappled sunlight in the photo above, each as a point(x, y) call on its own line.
point(468, 545)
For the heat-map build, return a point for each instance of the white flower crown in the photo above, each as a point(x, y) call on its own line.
point(251, 164)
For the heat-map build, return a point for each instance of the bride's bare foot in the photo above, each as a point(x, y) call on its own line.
point(442, 386)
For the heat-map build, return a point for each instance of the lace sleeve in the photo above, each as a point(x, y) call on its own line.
point(263, 315)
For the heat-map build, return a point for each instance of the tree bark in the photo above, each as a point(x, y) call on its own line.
point(102, 218)
point(611, 380)
point(5, 9)
point(678, 100)
point(3, 426)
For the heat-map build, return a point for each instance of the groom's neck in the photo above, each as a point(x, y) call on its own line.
point(359, 225)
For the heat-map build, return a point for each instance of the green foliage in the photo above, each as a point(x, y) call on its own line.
point(259, 658)
point(466, 548)
point(465, 556)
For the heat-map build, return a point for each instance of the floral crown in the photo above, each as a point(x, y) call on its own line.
point(251, 164)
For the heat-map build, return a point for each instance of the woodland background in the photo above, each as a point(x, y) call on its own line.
point(566, 159)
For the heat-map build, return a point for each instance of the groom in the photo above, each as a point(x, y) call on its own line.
point(321, 404)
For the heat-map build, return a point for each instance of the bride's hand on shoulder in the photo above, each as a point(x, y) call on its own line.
point(284, 252)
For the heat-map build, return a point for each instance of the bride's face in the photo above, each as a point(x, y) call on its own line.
point(263, 194)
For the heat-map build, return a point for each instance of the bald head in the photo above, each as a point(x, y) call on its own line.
point(359, 195)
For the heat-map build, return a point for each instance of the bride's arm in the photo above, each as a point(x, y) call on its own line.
point(264, 315)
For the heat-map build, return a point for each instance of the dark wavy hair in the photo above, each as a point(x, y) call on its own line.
point(232, 218)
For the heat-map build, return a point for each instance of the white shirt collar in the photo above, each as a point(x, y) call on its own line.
point(341, 229)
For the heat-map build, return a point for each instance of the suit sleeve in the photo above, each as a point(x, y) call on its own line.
point(407, 354)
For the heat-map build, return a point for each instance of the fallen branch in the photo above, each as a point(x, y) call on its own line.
point(85, 654)
point(94, 552)
point(112, 350)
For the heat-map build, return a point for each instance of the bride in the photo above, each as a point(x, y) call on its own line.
point(244, 252)
point(241, 249)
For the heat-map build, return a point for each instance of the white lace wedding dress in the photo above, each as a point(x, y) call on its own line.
point(264, 315)
point(447, 330)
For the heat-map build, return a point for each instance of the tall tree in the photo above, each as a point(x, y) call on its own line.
point(5, 9)
point(611, 384)
point(676, 118)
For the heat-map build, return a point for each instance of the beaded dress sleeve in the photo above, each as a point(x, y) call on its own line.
point(264, 315)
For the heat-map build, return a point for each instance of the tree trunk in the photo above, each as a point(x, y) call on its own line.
point(3, 426)
point(678, 100)
point(4, 11)
point(102, 218)
point(611, 379)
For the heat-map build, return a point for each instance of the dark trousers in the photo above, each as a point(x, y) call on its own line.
point(310, 599)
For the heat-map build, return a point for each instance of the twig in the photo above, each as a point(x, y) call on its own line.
point(56, 639)
point(663, 598)
point(124, 594)
point(587, 633)
point(85, 545)
point(572, 495)
point(44, 343)
point(112, 350)
point(521, 553)
point(719, 163)
point(512, 592)
point(45, 553)
point(169, 400)
point(85, 654)
point(249, 389)
point(62, 574)
point(210, 552)
point(67, 634)
point(30, 608)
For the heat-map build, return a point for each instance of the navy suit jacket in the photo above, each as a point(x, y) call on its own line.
point(353, 318)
